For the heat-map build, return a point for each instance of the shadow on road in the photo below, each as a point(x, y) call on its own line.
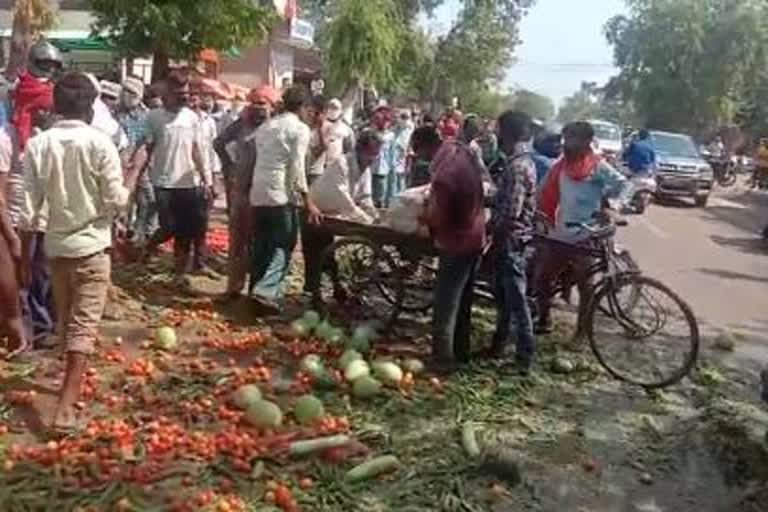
point(727, 274)
point(751, 245)
point(750, 214)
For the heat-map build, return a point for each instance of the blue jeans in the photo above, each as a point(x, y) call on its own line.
point(276, 231)
point(37, 300)
point(379, 190)
point(512, 304)
point(145, 222)
point(452, 311)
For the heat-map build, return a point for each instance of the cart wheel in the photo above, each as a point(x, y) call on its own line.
point(355, 270)
point(419, 274)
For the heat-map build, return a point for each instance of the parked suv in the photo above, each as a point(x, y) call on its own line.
point(681, 170)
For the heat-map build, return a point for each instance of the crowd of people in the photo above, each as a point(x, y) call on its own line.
point(79, 158)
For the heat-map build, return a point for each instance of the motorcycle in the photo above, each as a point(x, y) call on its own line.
point(759, 178)
point(644, 189)
point(724, 170)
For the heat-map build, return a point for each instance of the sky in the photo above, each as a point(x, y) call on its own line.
point(563, 44)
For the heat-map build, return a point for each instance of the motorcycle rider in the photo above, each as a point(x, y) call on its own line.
point(640, 156)
point(761, 163)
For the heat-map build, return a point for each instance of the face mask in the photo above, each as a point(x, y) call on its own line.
point(259, 114)
point(131, 100)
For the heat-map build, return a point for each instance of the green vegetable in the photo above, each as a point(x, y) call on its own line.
point(347, 357)
point(362, 337)
point(469, 440)
point(414, 366)
point(366, 387)
point(356, 369)
point(314, 445)
point(308, 409)
point(165, 338)
point(373, 468)
point(336, 335)
point(264, 414)
point(311, 318)
point(388, 372)
point(313, 365)
point(300, 328)
point(324, 330)
point(246, 396)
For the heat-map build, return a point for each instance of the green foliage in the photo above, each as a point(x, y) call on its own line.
point(534, 104)
point(379, 43)
point(177, 29)
point(593, 102)
point(688, 64)
point(363, 42)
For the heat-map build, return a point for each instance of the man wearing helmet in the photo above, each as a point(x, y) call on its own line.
point(44, 62)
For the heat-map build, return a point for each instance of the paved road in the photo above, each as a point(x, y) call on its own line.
point(713, 257)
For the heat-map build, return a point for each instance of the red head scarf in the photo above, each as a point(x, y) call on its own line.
point(31, 94)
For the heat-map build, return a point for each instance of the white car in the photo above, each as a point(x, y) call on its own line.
point(608, 140)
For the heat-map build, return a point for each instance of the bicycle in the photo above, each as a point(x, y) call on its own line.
point(623, 300)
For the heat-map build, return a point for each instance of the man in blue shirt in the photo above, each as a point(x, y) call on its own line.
point(640, 156)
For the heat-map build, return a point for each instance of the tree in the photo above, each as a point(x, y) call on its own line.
point(688, 64)
point(363, 42)
point(581, 105)
point(175, 29)
point(383, 42)
point(534, 104)
point(30, 19)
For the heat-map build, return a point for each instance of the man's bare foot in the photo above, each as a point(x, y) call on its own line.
point(17, 349)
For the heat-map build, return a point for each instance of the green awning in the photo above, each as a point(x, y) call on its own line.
point(83, 44)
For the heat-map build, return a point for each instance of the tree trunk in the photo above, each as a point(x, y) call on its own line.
point(22, 38)
point(160, 65)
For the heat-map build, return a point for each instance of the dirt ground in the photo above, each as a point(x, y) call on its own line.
point(583, 441)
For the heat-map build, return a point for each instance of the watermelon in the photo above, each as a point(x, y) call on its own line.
point(324, 330)
point(165, 338)
point(347, 357)
point(313, 365)
point(356, 369)
point(245, 396)
point(264, 414)
point(308, 409)
point(361, 338)
point(413, 365)
point(366, 387)
point(388, 372)
point(311, 318)
point(300, 328)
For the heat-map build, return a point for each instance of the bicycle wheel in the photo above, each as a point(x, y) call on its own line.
point(355, 270)
point(418, 274)
point(631, 294)
point(654, 344)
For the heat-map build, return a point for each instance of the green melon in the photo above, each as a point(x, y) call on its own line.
point(308, 409)
point(311, 318)
point(348, 356)
point(245, 396)
point(264, 414)
point(165, 338)
point(356, 369)
point(366, 387)
point(388, 372)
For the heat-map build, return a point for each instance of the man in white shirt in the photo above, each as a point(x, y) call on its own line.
point(278, 189)
point(73, 191)
point(383, 170)
point(182, 181)
point(344, 190)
